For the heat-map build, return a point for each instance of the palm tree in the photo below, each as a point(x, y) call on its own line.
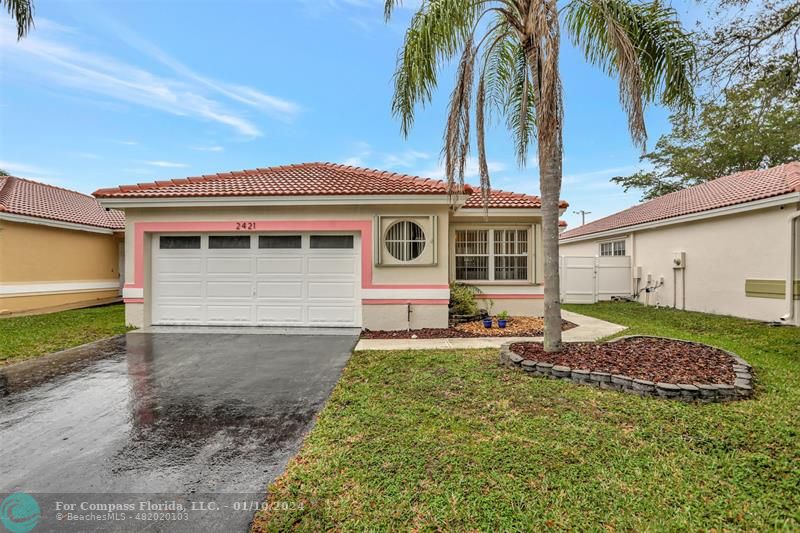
point(22, 12)
point(512, 47)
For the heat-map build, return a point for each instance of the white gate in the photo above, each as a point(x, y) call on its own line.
point(586, 280)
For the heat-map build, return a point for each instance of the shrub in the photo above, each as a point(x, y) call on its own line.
point(462, 299)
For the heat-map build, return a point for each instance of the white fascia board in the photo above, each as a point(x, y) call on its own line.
point(18, 289)
point(214, 201)
point(691, 217)
point(23, 219)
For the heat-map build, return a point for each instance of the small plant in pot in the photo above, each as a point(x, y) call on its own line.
point(502, 319)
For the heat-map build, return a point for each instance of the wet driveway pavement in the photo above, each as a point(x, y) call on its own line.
point(170, 418)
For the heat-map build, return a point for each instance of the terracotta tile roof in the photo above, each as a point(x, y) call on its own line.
point(505, 199)
point(562, 224)
point(309, 179)
point(20, 196)
point(734, 189)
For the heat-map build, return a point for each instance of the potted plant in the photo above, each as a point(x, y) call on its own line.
point(502, 319)
point(487, 322)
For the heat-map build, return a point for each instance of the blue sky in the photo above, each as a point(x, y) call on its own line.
point(105, 93)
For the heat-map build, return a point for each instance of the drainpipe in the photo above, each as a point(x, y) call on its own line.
point(789, 317)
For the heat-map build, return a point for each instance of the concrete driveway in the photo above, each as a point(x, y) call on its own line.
point(197, 423)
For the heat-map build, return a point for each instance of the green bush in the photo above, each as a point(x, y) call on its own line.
point(462, 299)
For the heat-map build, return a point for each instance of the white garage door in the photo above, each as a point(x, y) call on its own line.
point(259, 280)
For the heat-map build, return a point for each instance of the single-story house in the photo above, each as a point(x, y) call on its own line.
point(322, 244)
point(59, 249)
point(728, 246)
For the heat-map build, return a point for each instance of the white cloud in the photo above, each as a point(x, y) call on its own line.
point(187, 95)
point(215, 148)
point(166, 164)
point(128, 143)
point(86, 155)
point(250, 96)
point(364, 155)
point(25, 170)
point(471, 170)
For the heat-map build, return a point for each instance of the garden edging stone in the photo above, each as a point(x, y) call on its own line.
point(702, 392)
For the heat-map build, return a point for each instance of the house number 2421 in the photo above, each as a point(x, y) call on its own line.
point(245, 225)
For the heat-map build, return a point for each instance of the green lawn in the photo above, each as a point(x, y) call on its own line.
point(30, 336)
point(450, 440)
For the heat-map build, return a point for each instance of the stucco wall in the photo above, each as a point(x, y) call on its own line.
point(375, 315)
point(721, 253)
point(382, 274)
point(44, 264)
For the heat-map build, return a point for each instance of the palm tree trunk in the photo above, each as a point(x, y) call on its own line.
point(550, 186)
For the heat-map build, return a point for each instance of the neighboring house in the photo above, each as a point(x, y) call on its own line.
point(59, 249)
point(729, 246)
point(321, 244)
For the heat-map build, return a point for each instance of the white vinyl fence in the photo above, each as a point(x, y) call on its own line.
point(586, 280)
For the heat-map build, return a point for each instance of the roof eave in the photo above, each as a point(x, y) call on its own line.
point(752, 205)
point(294, 200)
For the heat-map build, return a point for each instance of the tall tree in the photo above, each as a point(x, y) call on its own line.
point(748, 39)
point(512, 48)
point(749, 125)
point(22, 13)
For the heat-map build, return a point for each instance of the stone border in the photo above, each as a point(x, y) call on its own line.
point(702, 392)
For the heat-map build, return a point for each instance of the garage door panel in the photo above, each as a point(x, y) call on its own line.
point(229, 265)
point(256, 286)
point(278, 290)
point(229, 314)
point(279, 313)
point(179, 265)
point(279, 265)
point(180, 289)
point(229, 289)
point(331, 265)
point(331, 289)
point(180, 314)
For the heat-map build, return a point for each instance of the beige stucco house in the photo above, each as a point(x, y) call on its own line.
point(729, 246)
point(59, 249)
point(321, 244)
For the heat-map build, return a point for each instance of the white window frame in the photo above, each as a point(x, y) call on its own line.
point(490, 229)
point(613, 244)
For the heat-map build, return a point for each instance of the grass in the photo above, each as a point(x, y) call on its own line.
point(24, 337)
point(450, 440)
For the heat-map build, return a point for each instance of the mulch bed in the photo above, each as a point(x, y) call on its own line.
point(651, 359)
point(518, 326)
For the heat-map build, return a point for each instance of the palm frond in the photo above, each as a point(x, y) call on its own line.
point(480, 127)
point(22, 12)
point(520, 105)
point(644, 46)
point(457, 129)
point(437, 32)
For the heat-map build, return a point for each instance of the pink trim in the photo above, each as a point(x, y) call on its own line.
point(362, 226)
point(511, 296)
point(133, 300)
point(405, 302)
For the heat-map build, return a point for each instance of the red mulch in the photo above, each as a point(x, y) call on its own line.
point(652, 359)
point(468, 330)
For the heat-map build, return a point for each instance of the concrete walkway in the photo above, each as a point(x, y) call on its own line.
point(589, 329)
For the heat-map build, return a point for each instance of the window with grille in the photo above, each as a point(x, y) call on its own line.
point(510, 254)
point(491, 255)
point(612, 248)
point(405, 240)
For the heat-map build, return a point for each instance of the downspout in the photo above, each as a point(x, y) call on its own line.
point(789, 317)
